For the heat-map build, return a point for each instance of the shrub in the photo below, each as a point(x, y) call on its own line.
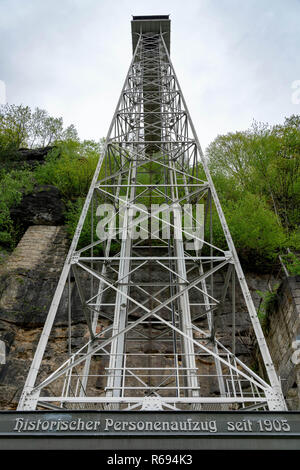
point(268, 303)
point(13, 186)
point(73, 212)
point(292, 264)
point(70, 167)
point(255, 230)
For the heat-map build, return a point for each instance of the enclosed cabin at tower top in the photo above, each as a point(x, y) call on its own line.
point(154, 24)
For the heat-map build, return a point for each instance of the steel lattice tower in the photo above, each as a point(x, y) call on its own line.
point(150, 305)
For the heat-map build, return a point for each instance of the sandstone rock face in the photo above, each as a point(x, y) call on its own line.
point(30, 275)
point(27, 283)
point(43, 206)
point(283, 331)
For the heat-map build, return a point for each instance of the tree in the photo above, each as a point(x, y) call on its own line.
point(264, 160)
point(228, 155)
point(21, 127)
point(15, 123)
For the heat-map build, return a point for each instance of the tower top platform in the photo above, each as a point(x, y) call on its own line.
point(150, 24)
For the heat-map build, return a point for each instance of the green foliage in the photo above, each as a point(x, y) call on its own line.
point(73, 213)
point(8, 148)
point(228, 155)
point(293, 241)
point(265, 161)
point(292, 263)
point(254, 228)
point(13, 186)
point(257, 176)
point(22, 127)
point(70, 167)
point(268, 304)
point(15, 123)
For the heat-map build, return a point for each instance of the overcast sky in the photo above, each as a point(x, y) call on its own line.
point(237, 60)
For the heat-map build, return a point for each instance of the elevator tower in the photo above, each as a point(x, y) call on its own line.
point(153, 286)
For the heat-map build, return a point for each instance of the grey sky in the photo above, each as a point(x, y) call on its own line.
point(236, 60)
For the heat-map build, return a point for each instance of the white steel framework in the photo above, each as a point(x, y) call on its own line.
point(149, 303)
